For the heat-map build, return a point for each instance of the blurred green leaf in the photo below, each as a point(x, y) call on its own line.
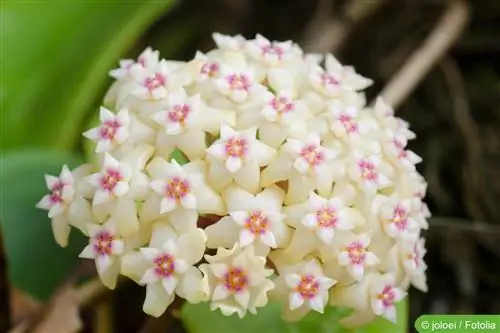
point(55, 62)
point(198, 318)
point(36, 263)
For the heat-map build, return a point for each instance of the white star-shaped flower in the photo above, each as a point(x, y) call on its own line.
point(113, 130)
point(302, 286)
point(229, 43)
point(354, 256)
point(396, 218)
point(180, 192)
point(236, 280)
point(336, 78)
point(383, 296)
point(147, 59)
point(238, 155)
point(111, 182)
point(267, 52)
point(365, 171)
point(169, 267)
point(67, 204)
point(253, 220)
point(105, 247)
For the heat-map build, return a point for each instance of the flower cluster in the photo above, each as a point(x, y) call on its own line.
point(251, 173)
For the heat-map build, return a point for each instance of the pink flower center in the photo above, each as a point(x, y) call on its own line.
point(103, 243)
point(356, 252)
point(308, 286)
point(211, 69)
point(326, 217)
point(349, 124)
point(273, 50)
point(312, 154)
point(236, 147)
point(282, 105)
point(156, 81)
point(367, 170)
point(387, 296)
point(179, 113)
point(164, 265)
point(56, 195)
point(236, 279)
point(108, 129)
point(329, 80)
point(257, 223)
point(177, 188)
point(399, 218)
point(110, 179)
point(239, 82)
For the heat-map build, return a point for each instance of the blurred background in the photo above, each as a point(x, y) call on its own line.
point(437, 61)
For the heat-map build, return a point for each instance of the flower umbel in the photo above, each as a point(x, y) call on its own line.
point(248, 174)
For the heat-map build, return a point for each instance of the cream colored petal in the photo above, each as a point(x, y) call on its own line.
point(302, 243)
point(191, 245)
point(161, 233)
point(190, 286)
point(80, 214)
point(193, 144)
point(133, 266)
point(208, 201)
point(150, 208)
point(218, 176)
point(125, 215)
point(277, 171)
point(248, 177)
point(110, 276)
point(183, 220)
point(157, 300)
point(223, 233)
point(299, 188)
point(60, 230)
point(237, 199)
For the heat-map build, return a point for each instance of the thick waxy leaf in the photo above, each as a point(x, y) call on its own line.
point(55, 61)
point(199, 319)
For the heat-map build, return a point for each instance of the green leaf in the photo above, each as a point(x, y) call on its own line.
point(200, 319)
point(55, 61)
point(36, 263)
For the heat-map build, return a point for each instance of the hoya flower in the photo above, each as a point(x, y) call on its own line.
point(396, 218)
point(253, 220)
point(238, 155)
point(395, 150)
point(317, 221)
point(105, 248)
point(147, 59)
point(306, 164)
point(355, 256)
point(335, 78)
point(409, 262)
point(279, 118)
point(180, 192)
point(366, 171)
point(154, 83)
point(67, 204)
point(376, 295)
point(117, 187)
point(229, 43)
point(166, 267)
point(237, 280)
point(303, 287)
point(270, 53)
point(112, 132)
point(111, 182)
